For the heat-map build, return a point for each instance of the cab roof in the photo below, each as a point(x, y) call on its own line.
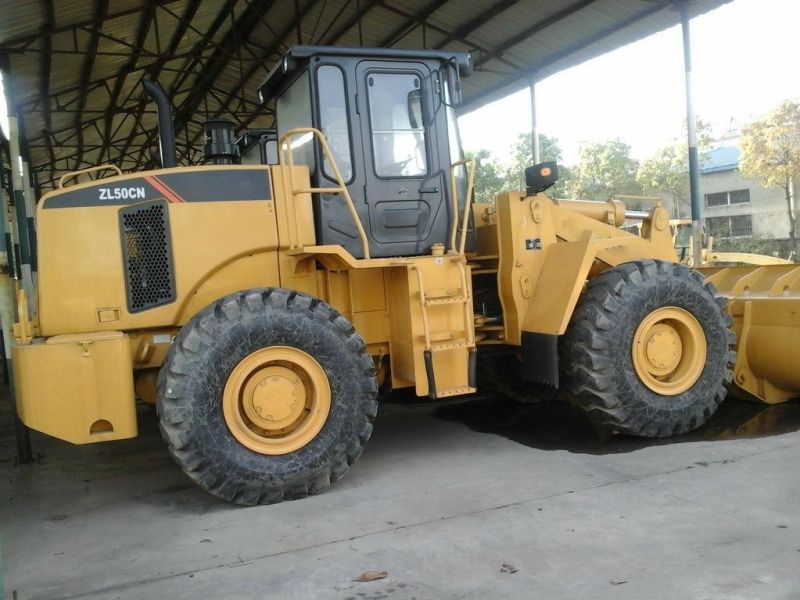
point(297, 57)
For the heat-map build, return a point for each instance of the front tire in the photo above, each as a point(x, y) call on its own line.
point(649, 351)
point(266, 395)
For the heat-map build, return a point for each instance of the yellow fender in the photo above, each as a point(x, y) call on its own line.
point(547, 252)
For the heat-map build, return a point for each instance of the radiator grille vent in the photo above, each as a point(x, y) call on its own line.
point(147, 252)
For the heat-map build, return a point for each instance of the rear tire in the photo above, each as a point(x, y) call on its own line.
point(298, 333)
point(599, 352)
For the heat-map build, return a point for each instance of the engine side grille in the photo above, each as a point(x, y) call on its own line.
point(147, 254)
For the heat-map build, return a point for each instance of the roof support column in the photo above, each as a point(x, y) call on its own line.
point(691, 126)
point(8, 313)
point(23, 202)
point(537, 158)
point(14, 246)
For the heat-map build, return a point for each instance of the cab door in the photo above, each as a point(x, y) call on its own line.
point(404, 181)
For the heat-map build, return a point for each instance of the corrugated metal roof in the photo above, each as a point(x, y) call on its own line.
point(725, 158)
point(76, 65)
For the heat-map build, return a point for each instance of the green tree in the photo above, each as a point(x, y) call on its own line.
point(489, 179)
point(522, 158)
point(754, 245)
point(603, 170)
point(771, 153)
point(667, 171)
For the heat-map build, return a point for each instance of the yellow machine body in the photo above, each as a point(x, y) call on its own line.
point(543, 251)
point(402, 307)
point(88, 352)
point(77, 387)
point(217, 247)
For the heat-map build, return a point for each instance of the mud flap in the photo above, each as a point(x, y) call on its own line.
point(540, 358)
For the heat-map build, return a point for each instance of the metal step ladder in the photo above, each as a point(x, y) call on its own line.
point(463, 299)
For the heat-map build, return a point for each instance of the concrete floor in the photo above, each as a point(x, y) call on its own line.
point(440, 500)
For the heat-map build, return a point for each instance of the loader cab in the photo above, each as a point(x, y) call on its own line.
point(389, 118)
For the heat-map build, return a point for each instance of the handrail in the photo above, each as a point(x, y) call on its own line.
point(287, 159)
point(69, 176)
point(426, 332)
point(467, 202)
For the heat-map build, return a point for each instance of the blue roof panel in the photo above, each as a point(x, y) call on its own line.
point(721, 159)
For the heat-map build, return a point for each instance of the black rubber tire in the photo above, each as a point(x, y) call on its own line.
point(596, 356)
point(199, 362)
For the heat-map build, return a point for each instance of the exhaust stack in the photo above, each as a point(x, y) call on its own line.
point(166, 130)
point(220, 147)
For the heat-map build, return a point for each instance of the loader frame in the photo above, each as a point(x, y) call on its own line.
point(131, 261)
point(419, 325)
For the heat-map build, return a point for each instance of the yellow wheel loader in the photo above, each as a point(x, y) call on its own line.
point(260, 301)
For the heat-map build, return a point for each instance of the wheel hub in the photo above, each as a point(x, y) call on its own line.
point(276, 400)
point(274, 397)
point(663, 349)
point(669, 350)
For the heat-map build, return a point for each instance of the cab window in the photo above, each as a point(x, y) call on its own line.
point(294, 110)
point(396, 123)
point(334, 120)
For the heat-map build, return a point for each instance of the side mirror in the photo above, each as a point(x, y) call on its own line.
point(453, 83)
point(414, 107)
point(540, 177)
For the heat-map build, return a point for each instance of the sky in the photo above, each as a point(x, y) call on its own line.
point(745, 62)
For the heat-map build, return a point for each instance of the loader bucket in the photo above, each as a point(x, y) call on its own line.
point(764, 302)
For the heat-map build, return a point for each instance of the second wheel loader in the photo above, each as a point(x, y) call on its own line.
point(260, 301)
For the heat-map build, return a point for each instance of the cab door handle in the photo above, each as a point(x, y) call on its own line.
point(433, 190)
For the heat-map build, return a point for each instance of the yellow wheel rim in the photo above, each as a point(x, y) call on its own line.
point(276, 400)
point(669, 350)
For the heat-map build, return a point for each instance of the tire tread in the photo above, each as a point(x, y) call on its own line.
point(196, 341)
point(590, 376)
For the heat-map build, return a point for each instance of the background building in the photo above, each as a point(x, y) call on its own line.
point(738, 207)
